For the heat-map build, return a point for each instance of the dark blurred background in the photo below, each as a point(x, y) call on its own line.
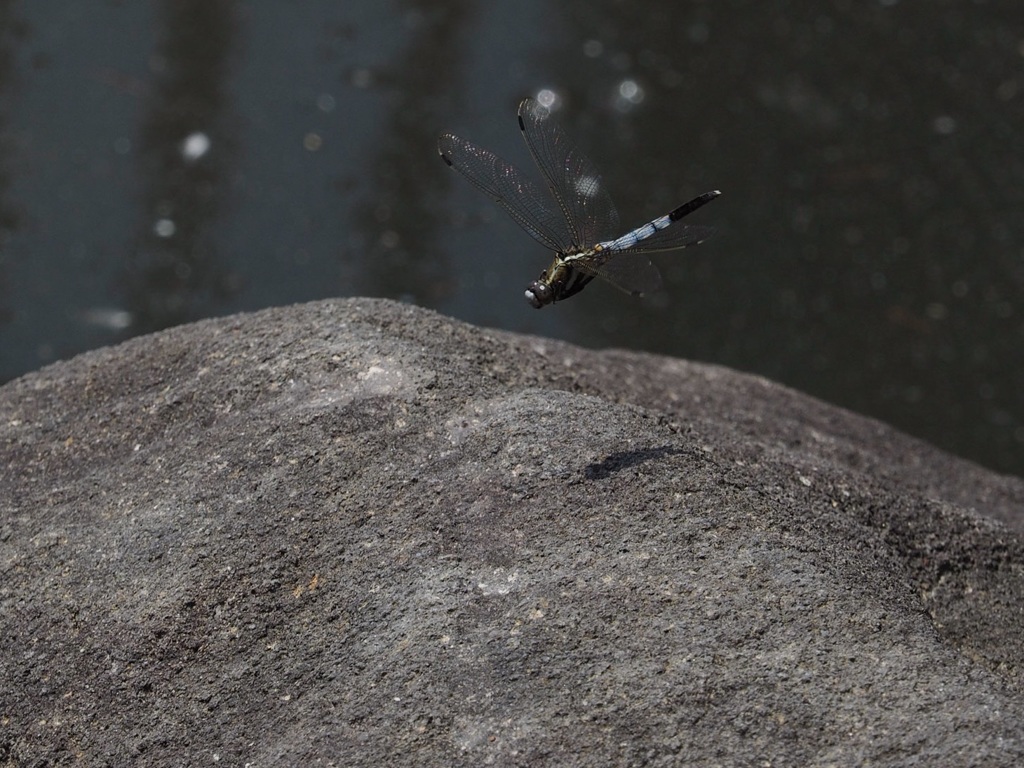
point(171, 160)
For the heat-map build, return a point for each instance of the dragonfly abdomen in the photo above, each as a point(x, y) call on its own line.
point(630, 239)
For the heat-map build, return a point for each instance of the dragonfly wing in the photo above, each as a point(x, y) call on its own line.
point(629, 269)
point(673, 238)
point(630, 272)
point(507, 186)
point(574, 180)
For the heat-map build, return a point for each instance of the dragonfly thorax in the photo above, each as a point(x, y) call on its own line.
point(559, 281)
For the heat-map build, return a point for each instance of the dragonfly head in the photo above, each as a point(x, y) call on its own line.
point(539, 294)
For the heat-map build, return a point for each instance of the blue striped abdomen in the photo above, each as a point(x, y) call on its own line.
point(630, 239)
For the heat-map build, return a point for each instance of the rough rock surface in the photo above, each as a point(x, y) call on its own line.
point(357, 533)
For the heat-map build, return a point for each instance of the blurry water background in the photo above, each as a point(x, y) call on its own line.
point(170, 160)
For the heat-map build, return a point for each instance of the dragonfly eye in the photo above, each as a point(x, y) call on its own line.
point(538, 294)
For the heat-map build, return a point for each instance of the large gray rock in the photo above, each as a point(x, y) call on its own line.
point(360, 533)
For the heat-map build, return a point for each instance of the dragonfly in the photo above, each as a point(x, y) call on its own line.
point(578, 220)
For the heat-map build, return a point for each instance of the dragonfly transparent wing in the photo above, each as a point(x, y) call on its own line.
point(633, 273)
point(630, 270)
point(574, 180)
point(671, 239)
point(506, 185)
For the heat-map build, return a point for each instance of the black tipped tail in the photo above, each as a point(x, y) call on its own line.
point(693, 205)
